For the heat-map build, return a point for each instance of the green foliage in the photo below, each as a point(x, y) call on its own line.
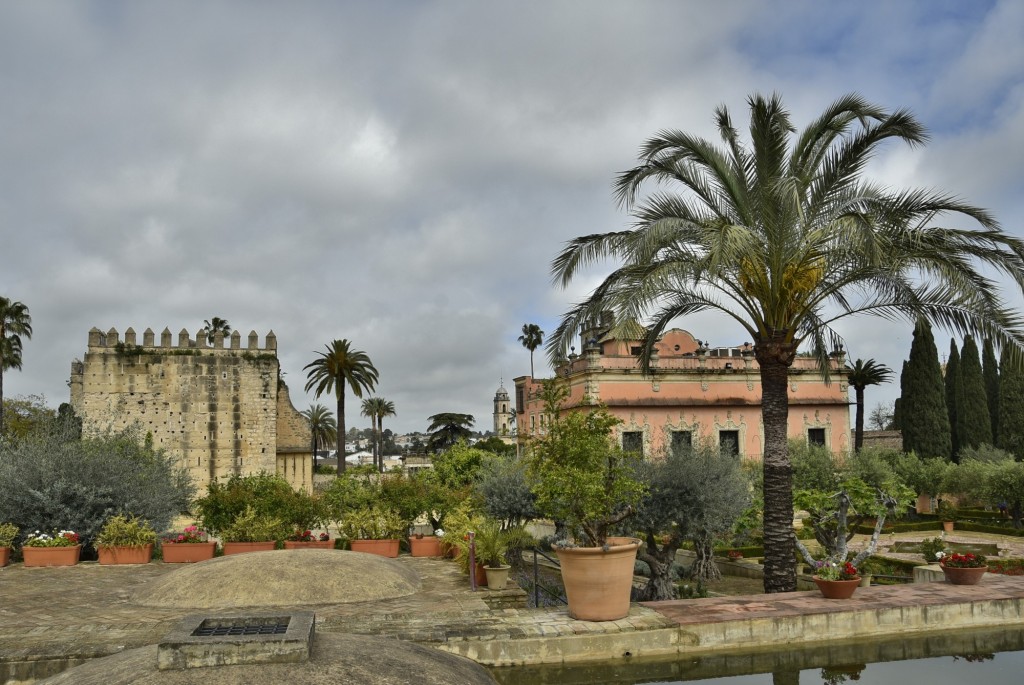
point(984, 453)
point(814, 467)
point(974, 425)
point(502, 486)
point(26, 413)
point(954, 395)
point(990, 373)
point(924, 476)
point(1011, 405)
point(1005, 483)
point(579, 475)
point(930, 547)
point(253, 526)
point(946, 511)
point(8, 533)
point(410, 497)
point(357, 488)
point(493, 541)
point(379, 523)
point(497, 446)
point(457, 467)
point(50, 480)
point(126, 531)
point(924, 418)
point(268, 495)
point(447, 429)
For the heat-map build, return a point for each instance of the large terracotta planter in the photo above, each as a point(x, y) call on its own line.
point(481, 575)
point(245, 547)
point(110, 556)
point(427, 546)
point(309, 544)
point(947, 526)
point(837, 589)
point(598, 582)
point(382, 548)
point(5, 556)
point(188, 552)
point(964, 576)
point(51, 556)
point(497, 578)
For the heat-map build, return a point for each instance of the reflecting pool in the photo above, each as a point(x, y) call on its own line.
point(992, 657)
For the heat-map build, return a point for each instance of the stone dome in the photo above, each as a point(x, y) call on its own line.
point(280, 578)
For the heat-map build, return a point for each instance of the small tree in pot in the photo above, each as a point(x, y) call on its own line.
point(585, 481)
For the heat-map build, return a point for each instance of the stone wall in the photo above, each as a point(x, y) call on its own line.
point(216, 408)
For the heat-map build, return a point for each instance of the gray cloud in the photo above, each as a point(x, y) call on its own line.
point(401, 174)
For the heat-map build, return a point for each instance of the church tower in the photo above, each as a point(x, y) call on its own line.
point(502, 413)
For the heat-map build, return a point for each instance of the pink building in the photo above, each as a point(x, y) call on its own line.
point(693, 394)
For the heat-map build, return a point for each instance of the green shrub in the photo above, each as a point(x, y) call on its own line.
point(8, 532)
point(52, 480)
point(252, 526)
point(124, 531)
point(269, 496)
point(357, 489)
point(930, 547)
point(381, 523)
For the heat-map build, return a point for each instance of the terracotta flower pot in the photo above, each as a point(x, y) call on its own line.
point(245, 547)
point(964, 576)
point(5, 556)
point(481, 575)
point(597, 583)
point(837, 589)
point(383, 548)
point(51, 556)
point(947, 526)
point(497, 578)
point(188, 552)
point(110, 556)
point(427, 546)
point(309, 544)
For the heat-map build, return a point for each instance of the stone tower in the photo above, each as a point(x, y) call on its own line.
point(221, 410)
point(502, 413)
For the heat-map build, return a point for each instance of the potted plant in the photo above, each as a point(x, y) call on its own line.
point(372, 531)
point(587, 483)
point(947, 513)
point(836, 581)
point(931, 550)
point(8, 532)
point(60, 549)
point(252, 532)
point(426, 545)
point(306, 539)
point(963, 569)
point(124, 540)
point(189, 546)
point(492, 543)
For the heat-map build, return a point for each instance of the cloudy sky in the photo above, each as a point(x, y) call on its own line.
point(402, 173)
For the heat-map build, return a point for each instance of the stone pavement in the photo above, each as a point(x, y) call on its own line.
point(58, 616)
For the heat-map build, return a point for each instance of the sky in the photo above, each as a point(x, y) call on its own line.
point(401, 174)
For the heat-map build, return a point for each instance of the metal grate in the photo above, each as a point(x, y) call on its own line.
point(278, 628)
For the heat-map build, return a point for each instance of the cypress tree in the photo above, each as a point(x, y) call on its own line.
point(923, 416)
point(974, 425)
point(1011, 406)
point(990, 371)
point(954, 390)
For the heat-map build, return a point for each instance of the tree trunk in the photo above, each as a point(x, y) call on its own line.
point(704, 567)
point(380, 441)
point(858, 434)
point(775, 357)
point(1, 395)
point(659, 586)
point(341, 432)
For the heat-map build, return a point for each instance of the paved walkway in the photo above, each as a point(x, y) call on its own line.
point(54, 614)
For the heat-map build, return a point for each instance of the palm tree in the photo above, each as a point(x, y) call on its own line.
point(384, 408)
point(323, 428)
point(532, 338)
point(447, 429)
point(860, 375)
point(216, 324)
point(370, 409)
point(784, 236)
point(15, 322)
point(338, 366)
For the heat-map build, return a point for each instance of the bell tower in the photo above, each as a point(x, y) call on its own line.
point(502, 412)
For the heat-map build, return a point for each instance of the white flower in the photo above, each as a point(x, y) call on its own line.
point(939, 555)
point(439, 533)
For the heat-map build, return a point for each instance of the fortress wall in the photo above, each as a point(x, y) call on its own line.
point(214, 408)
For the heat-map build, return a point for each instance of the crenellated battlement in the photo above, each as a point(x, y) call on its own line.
point(99, 340)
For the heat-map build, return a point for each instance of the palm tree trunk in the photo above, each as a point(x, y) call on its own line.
point(531, 363)
point(341, 433)
point(1, 394)
point(775, 358)
point(376, 442)
point(858, 431)
point(380, 441)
